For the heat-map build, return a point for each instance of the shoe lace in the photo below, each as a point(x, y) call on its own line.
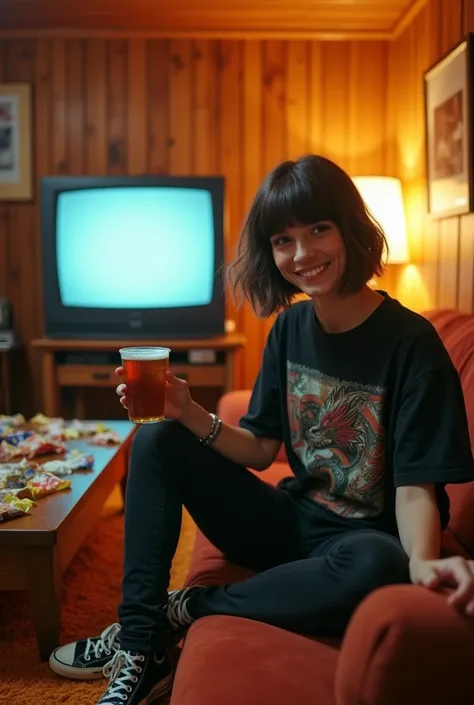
point(106, 642)
point(120, 670)
point(177, 613)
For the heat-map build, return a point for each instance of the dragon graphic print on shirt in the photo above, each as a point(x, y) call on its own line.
point(337, 433)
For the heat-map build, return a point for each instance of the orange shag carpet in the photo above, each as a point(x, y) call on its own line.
point(90, 599)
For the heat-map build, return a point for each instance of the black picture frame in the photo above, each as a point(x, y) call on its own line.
point(449, 112)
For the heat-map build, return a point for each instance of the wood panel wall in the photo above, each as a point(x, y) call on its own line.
point(187, 107)
point(442, 251)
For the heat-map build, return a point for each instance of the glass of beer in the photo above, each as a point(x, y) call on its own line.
point(144, 371)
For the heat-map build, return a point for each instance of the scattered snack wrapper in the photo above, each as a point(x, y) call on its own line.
point(14, 421)
point(15, 437)
point(8, 511)
point(15, 479)
point(105, 438)
point(74, 460)
point(42, 484)
point(13, 499)
point(88, 428)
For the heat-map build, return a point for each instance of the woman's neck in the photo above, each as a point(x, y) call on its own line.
point(340, 314)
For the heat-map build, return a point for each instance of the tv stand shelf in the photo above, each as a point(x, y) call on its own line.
point(203, 363)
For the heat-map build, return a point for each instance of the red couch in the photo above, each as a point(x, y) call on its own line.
point(404, 644)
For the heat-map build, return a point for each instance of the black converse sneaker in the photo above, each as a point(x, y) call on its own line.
point(86, 658)
point(177, 613)
point(137, 679)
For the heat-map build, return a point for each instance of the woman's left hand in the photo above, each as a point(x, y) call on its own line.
point(456, 572)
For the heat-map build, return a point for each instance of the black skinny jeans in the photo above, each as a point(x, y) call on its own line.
point(312, 571)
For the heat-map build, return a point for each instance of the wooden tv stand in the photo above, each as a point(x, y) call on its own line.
point(62, 366)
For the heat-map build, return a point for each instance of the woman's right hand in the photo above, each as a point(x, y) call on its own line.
point(177, 395)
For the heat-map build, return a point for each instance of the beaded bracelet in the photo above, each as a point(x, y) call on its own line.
point(214, 432)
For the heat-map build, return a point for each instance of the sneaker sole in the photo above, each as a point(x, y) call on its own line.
point(159, 691)
point(82, 674)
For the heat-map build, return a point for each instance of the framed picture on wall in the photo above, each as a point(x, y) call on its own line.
point(15, 142)
point(449, 112)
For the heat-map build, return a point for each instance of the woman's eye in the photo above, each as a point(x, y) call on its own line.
point(278, 241)
point(320, 228)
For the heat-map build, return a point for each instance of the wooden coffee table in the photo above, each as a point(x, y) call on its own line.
point(36, 549)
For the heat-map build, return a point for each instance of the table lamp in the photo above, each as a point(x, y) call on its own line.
point(383, 196)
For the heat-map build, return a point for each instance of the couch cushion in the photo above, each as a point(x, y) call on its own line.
point(234, 661)
point(457, 333)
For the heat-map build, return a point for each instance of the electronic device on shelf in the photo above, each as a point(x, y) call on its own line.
point(8, 336)
point(133, 257)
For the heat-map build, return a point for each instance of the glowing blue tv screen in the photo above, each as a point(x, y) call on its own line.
point(133, 256)
point(137, 248)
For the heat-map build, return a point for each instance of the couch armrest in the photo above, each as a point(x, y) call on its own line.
point(405, 644)
point(233, 405)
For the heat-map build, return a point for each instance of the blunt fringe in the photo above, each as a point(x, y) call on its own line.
point(303, 192)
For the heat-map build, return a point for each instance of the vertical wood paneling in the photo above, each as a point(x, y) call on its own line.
point(442, 250)
point(297, 95)
point(60, 156)
point(315, 94)
point(448, 263)
point(335, 101)
point(206, 108)
point(96, 107)
point(367, 149)
point(137, 107)
point(230, 151)
point(74, 106)
point(117, 106)
point(189, 107)
point(273, 143)
point(180, 105)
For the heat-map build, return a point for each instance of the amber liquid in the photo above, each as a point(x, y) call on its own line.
point(145, 380)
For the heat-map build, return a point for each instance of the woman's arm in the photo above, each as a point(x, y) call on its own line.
point(420, 534)
point(235, 443)
point(418, 521)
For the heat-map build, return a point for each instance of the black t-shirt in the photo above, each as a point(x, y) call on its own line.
point(362, 412)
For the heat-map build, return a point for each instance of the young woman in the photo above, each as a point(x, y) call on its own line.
point(370, 409)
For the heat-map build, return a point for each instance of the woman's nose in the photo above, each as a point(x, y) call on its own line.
point(301, 252)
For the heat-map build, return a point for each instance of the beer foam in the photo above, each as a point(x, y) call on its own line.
point(148, 353)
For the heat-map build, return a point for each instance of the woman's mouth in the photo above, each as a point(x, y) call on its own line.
point(315, 272)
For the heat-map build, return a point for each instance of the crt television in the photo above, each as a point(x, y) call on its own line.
point(132, 257)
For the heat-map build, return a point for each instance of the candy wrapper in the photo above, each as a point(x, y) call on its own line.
point(88, 428)
point(42, 484)
point(14, 501)
point(15, 437)
point(8, 452)
point(106, 438)
point(14, 421)
point(43, 423)
point(40, 445)
point(5, 430)
point(17, 478)
point(8, 512)
point(74, 460)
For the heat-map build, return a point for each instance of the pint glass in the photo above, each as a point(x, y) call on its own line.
point(144, 371)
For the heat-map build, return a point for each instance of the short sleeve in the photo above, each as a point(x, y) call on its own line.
point(263, 417)
point(431, 437)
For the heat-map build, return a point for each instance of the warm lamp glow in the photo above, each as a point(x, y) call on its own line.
point(383, 196)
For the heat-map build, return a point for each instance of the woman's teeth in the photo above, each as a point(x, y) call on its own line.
point(314, 272)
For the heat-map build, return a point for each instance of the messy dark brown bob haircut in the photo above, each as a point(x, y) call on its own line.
point(303, 192)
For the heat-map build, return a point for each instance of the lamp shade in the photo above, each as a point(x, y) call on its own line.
point(384, 198)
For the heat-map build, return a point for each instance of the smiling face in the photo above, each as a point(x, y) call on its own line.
point(311, 257)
